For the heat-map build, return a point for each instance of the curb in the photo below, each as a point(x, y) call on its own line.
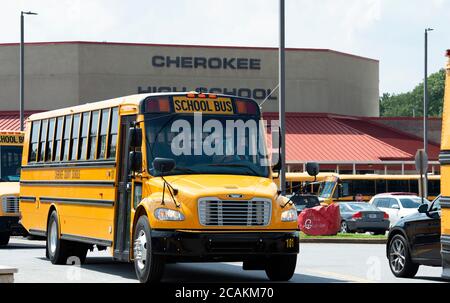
point(344, 241)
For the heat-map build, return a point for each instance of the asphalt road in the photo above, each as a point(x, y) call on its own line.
point(318, 263)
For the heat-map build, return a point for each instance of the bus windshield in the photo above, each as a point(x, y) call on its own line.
point(205, 144)
point(326, 189)
point(10, 162)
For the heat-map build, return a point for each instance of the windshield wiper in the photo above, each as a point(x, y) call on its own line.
point(235, 165)
point(185, 169)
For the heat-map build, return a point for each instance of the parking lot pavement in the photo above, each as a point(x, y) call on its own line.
point(318, 263)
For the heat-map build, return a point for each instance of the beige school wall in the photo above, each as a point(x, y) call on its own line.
point(68, 73)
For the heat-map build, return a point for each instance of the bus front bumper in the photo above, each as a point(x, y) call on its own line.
point(9, 224)
point(228, 245)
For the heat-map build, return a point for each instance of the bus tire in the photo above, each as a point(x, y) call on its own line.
point(57, 249)
point(281, 268)
point(4, 238)
point(148, 266)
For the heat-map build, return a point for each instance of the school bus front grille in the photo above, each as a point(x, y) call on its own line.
point(216, 212)
point(10, 204)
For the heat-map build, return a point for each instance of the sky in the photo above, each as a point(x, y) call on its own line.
point(391, 31)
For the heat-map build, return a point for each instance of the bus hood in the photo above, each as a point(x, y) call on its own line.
point(219, 186)
point(9, 188)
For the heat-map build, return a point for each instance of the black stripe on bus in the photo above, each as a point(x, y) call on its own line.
point(444, 202)
point(87, 240)
point(444, 157)
point(89, 164)
point(27, 199)
point(68, 183)
point(38, 232)
point(76, 201)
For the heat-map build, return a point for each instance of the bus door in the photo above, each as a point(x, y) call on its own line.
point(124, 194)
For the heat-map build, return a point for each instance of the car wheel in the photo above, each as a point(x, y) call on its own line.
point(148, 266)
point(4, 238)
point(281, 268)
point(399, 258)
point(344, 227)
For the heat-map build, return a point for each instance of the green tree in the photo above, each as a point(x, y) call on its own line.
point(407, 104)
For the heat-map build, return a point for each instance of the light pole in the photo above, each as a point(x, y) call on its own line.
point(282, 97)
point(22, 63)
point(425, 110)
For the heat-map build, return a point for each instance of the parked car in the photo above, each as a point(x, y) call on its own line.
point(362, 217)
point(303, 201)
point(415, 240)
point(397, 205)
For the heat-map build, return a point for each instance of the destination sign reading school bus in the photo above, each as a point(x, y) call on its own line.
point(219, 105)
point(11, 138)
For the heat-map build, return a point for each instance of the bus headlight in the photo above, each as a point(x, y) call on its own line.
point(289, 215)
point(166, 214)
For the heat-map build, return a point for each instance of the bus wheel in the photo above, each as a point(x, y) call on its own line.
point(57, 249)
point(4, 238)
point(281, 268)
point(149, 267)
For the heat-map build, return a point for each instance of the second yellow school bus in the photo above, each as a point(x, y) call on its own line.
point(106, 174)
point(444, 158)
point(340, 188)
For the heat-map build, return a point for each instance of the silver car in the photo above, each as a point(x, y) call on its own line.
point(363, 217)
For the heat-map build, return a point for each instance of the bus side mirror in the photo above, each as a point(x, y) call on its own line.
point(163, 165)
point(312, 168)
point(135, 161)
point(135, 135)
point(276, 154)
point(423, 208)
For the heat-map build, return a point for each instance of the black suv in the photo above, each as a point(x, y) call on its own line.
point(415, 240)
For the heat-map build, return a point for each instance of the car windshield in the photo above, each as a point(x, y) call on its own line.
point(410, 202)
point(361, 206)
point(207, 144)
point(326, 189)
point(10, 161)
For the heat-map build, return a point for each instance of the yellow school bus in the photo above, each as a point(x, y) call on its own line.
point(363, 187)
point(304, 182)
point(130, 174)
point(444, 158)
point(10, 160)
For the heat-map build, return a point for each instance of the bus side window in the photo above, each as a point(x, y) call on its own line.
point(113, 133)
point(397, 185)
point(103, 134)
point(434, 188)
point(35, 128)
point(93, 133)
point(49, 145)
point(137, 194)
point(42, 140)
point(364, 187)
point(75, 136)
point(58, 134)
point(67, 129)
point(82, 145)
point(414, 185)
point(345, 189)
point(380, 186)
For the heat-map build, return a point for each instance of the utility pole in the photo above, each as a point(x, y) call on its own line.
point(282, 97)
point(22, 64)
point(425, 110)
